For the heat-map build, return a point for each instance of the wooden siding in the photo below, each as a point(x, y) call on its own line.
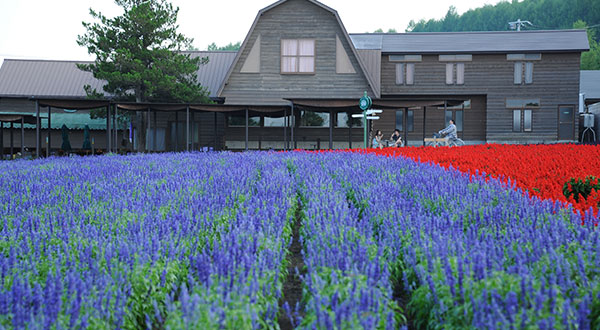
point(555, 83)
point(295, 19)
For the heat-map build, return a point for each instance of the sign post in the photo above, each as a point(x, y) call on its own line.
point(365, 104)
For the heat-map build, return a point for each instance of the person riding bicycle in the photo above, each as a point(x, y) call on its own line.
point(449, 132)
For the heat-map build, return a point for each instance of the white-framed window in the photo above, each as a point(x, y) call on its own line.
point(522, 113)
point(521, 75)
point(297, 56)
point(455, 73)
point(405, 74)
point(455, 67)
point(522, 120)
point(405, 71)
point(523, 67)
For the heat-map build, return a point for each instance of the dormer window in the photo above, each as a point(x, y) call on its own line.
point(298, 56)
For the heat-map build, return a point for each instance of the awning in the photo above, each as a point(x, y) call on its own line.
point(73, 104)
point(16, 118)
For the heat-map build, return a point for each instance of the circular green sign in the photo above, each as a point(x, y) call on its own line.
point(365, 102)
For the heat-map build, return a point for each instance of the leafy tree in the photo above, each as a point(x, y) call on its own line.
point(544, 14)
point(380, 30)
point(312, 118)
point(231, 46)
point(589, 60)
point(139, 56)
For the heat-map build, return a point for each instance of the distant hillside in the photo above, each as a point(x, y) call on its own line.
point(543, 14)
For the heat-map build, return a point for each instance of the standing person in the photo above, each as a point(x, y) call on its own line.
point(396, 139)
point(377, 140)
point(449, 132)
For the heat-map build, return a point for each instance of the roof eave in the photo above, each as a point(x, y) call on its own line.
point(385, 52)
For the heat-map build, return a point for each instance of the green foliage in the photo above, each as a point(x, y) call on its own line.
point(590, 60)
point(580, 187)
point(343, 285)
point(139, 54)
point(312, 118)
point(230, 46)
point(380, 30)
point(544, 14)
point(150, 286)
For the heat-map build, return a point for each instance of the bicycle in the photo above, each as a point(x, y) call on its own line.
point(456, 142)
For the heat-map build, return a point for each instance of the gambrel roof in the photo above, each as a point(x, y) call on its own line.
point(375, 86)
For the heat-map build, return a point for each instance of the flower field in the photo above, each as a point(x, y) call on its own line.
point(542, 170)
point(202, 241)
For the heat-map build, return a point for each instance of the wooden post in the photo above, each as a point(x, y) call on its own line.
point(187, 128)
point(49, 145)
point(194, 133)
point(176, 131)
point(330, 129)
point(246, 129)
point(349, 129)
point(424, 120)
point(292, 124)
point(108, 130)
point(154, 133)
point(37, 129)
point(22, 136)
point(215, 130)
point(12, 140)
point(285, 124)
point(1, 140)
point(148, 128)
point(116, 130)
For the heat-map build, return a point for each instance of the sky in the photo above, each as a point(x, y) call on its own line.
point(48, 29)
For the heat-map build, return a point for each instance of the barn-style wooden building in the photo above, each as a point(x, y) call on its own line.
point(298, 76)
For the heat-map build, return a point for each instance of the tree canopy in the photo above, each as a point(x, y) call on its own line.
point(139, 54)
point(544, 14)
point(230, 46)
point(380, 30)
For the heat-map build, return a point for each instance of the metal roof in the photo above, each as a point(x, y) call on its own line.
point(474, 42)
point(40, 78)
point(589, 83)
point(62, 79)
point(212, 74)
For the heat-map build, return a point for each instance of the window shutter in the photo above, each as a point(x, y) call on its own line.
point(410, 73)
point(529, 73)
point(400, 74)
point(460, 73)
point(518, 73)
point(449, 73)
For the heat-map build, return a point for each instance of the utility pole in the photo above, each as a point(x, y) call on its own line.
point(518, 24)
